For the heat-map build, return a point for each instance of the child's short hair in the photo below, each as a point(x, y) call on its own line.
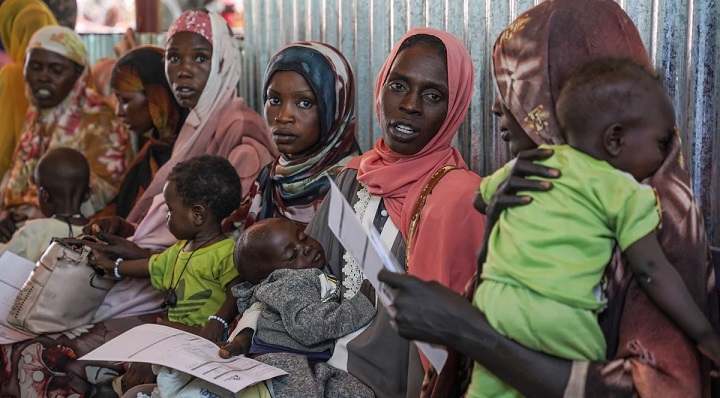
point(249, 259)
point(64, 172)
point(208, 180)
point(64, 165)
point(592, 90)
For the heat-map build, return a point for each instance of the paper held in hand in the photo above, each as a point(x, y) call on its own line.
point(366, 248)
point(186, 352)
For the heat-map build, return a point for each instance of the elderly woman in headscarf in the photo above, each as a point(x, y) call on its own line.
point(64, 112)
point(150, 111)
point(19, 20)
point(647, 354)
point(309, 96)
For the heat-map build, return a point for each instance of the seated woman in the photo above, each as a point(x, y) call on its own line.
point(309, 95)
point(19, 20)
point(219, 123)
point(149, 109)
point(649, 355)
point(64, 112)
point(422, 95)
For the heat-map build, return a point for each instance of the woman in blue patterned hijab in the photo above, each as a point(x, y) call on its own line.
point(309, 96)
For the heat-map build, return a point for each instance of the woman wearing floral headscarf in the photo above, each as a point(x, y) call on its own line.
point(64, 112)
point(648, 355)
point(19, 20)
point(309, 96)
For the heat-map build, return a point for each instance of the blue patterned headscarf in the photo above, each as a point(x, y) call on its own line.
point(295, 188)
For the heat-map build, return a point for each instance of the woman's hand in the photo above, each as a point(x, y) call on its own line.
point(112, 225)
point(115, 246)
point(98, 259)
point(426, 311)
point(506, 194)
point(239, 346)
point(8, 220)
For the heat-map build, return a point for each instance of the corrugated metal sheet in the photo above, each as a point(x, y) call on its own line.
point(682, 37)
point(101, 45)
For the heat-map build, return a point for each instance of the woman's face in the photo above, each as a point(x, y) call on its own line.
point(187, 66)
point(50, 77)
point(414, 99)
point(291, 111)
point(133, 109)
point(510, 130)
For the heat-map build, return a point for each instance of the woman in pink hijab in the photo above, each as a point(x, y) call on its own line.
point(203, 68)
point(415, 188)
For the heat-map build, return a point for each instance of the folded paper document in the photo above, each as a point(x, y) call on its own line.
point(186, 352)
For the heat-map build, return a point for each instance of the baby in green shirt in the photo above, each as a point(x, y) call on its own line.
point(545, 260)
point(196, 273)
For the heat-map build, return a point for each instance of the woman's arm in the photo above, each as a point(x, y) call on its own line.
point(428, 311)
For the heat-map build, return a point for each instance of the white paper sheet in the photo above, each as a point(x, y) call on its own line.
point(186, 352)
point(366, 248)
point(14, 271)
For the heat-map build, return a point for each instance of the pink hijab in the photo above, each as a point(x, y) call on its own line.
point(399, 179)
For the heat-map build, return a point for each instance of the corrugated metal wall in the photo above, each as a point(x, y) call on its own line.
point(682, 37)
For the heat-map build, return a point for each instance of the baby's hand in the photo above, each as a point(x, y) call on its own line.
point(239, 346)
point(213, 331)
